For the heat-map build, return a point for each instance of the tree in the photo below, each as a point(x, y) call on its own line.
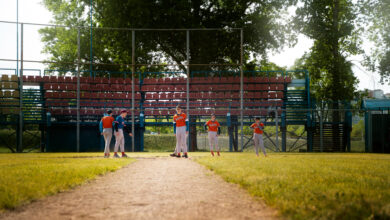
point(375, 19)
point(331, 24)
point(260, 20)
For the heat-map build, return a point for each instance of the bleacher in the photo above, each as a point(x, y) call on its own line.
point(9, 95)
point(153, 96)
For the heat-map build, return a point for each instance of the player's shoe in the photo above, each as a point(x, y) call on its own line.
point(124, 155)
point(218, 153)
point(116, 156)
point(172, 155)
point(178, 155)
point(212, 153)
point(185, 155)
point(106, 156)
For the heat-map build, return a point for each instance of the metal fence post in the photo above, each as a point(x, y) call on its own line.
point(242, 88)
point(188, 89)
point(20, 142)
point(78, 91)
point(132, 88)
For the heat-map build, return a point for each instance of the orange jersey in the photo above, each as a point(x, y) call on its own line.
point(213, 125)
point(258, 129)
point(107, 121)
point(180, 120)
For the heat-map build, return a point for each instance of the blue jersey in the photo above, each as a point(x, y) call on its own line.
point(120, 121)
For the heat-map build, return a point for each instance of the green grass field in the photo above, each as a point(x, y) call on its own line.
point(312, 186)
point(27, 177)
point(299, 185)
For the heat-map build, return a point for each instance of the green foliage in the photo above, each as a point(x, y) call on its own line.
point(161, 142)
point(330, 24)
point(27, 177)
point(260, 21)
point(312, 186)
point(358, 130)
point(375, 19)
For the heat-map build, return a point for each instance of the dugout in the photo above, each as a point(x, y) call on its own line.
point(377, 125)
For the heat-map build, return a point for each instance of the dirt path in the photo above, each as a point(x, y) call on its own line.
point(154, 188)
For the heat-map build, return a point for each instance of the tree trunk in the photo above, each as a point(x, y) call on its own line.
point(336, 73)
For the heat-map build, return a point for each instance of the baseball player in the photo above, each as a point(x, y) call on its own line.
point(120, 126)
point(258, 129)
point(105, 127)
point(180, 128)
point(214, 130)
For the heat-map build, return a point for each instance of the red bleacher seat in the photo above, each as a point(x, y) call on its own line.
point(220, 112)
point(123, 96)
point(166, 81)
point(100, 87)
point(30, 79)
point(273, 79)
point(146, 88)
point(280, 87)
point(220, 95)
point(148, 96)
point(127, 88)
point(272, 95)
point(235, 87)
point(280, 79)
point(195, 112)
point(114, 87)
point(83, 79)
point(206, 95)
point(55, 86)
point(97, 80)
point(84, 87)
point(46, 79)
point(138, 96)
point(53, 79)
point(193, 96)
point(235, 95)
point(60, 79)
point(279, 95)
point(61, 86)
point(38, 78)
point(180, 88)
point(169, 95)
point(127, 81)
point(85, 95)
point(164, 112)
point(148, 112)
point(68, 79)
point(105, 80)
point(273, 87)
point(93, 95)
point(47, 86)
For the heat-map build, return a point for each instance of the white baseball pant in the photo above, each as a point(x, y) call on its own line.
point(258, 139)
point(107, 134)
point(181, 139)
point(119, 141)
point(213, 140)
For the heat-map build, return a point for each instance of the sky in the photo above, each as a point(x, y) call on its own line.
point(32, 11)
